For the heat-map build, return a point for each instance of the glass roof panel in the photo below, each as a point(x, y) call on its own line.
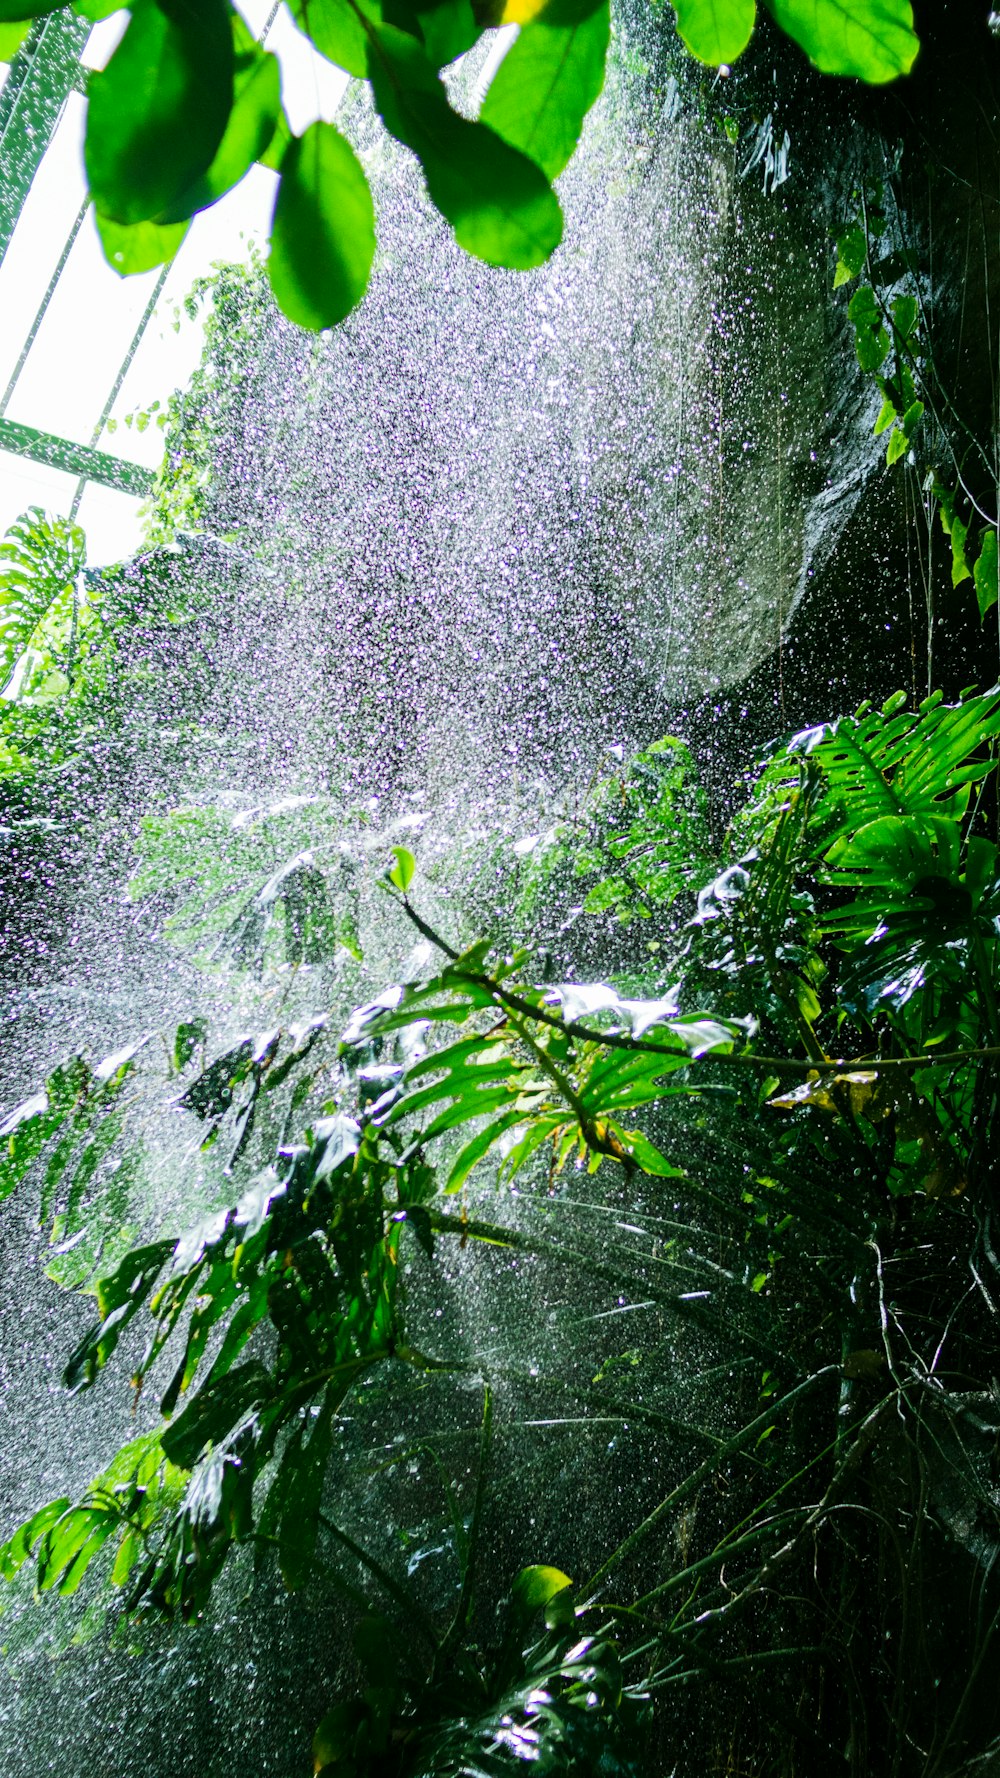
point(81, 343)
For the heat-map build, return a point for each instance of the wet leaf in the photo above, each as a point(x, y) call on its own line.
point(215, 1413)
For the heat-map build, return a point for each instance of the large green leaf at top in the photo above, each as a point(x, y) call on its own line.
point(158, 111)
point(13, 11)
point(499, 203)
point(131, 247)
point(337, 29)
point(11, 38)
point(871, 39)
point(252, 123)
point(715, 31)
point(547, 82)
point(40, 558)
point(323, 233)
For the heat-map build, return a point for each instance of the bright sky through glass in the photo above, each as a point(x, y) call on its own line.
point(91, 320)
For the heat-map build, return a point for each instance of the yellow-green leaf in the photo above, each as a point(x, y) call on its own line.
point(985, 572)
point(323, 233)
point(873, 40)
point(548, 81)
point(716, 31)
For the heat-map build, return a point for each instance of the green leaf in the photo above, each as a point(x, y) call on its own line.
point(214, 1412)
point(308, 1458)
point(548, 81)
point(40, 558)
point(187, 1038)
point(480, 1145)
point(19, 1548)
point(69, 1547)
point(715, 31)
point(648, 1157)
point(131, 247)
point(887, 414)
point(535, 1587)
point(16, 10)
point(279, 144)
point(323, 233)
point(249, 131)
point(404, 870)
point(11, 38)
point(897, 445)
point(119, 1297)
point(985, 572)
point(96, 10)
point(158, 112)
point(852, 251)
point(448, 30)
point(960, 569)
point(905, 311)
point(873, 40)
point(337, 30)
point(498, 202)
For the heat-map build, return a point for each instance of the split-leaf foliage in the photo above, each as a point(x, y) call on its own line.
point(783, 1152)
point(189, 102)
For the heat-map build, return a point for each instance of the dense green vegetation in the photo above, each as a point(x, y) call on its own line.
point(568, 1267)
point(771, 1135)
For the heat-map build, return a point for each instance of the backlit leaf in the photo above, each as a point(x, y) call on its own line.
point(498, 202)
point(323, 234)
point(337, 30)
point(251, 126)
point(11, 38)
point(158, 112)
point(715, 31)
point(547, 82)
point(131, 247)
point(871, 39)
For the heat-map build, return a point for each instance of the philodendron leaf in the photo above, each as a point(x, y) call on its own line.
point(158, 112)
point(40, 558)
point(498, 202)
point(323, 233)
point(871, 39)
point(715, 31)
point(547, 82)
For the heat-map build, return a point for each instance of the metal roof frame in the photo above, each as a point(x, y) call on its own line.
point(43, 73)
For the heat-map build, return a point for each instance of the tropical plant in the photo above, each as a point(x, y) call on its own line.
point(796, 1185)
point(189, 101)
point(44, 606)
